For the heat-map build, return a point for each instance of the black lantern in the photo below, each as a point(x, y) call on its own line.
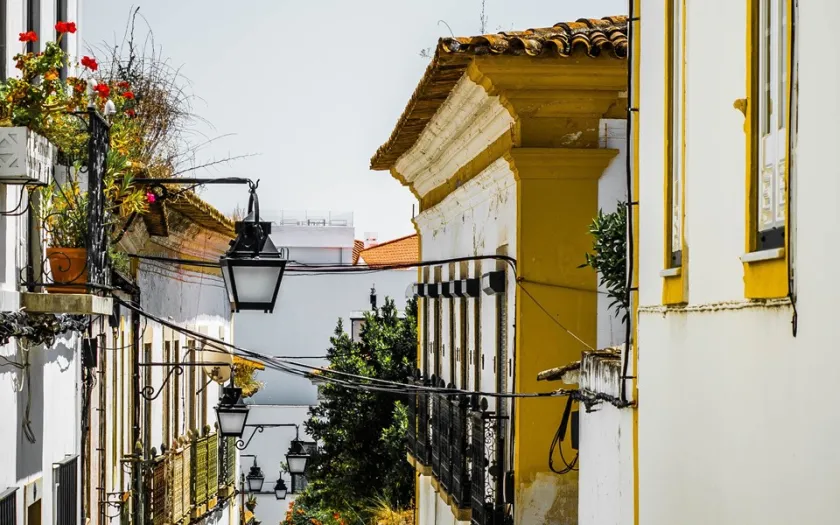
point(255, 478)
point(280, 489)
point(296, 458)
point(253, 266)
point(231, 412)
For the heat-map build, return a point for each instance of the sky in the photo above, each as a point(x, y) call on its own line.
point(311, 89)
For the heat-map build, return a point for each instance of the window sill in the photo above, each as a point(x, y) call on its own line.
point(671, 272)
point(763, 255)
point(765, 274)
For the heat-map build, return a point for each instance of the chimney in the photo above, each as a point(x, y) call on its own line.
point(370, 239)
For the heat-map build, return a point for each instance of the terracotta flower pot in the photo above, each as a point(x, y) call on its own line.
point(68, 267)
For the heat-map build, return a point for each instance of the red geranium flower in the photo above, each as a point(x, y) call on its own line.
point(90, 63)
point(131, 113)
point(123, 85)
point(65, 27)
point(103, 90)
point(151, 197)
point(29, 36)
point(129, 95)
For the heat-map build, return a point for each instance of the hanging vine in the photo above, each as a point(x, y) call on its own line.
point(39, 329)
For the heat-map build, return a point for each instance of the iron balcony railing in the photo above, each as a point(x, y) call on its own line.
point(486, 495)
point(8, 507)
point(183, 484)
point(65, 476)
point(459, 436)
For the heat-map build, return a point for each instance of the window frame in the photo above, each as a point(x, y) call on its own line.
point(675, 261)
point(766, 260)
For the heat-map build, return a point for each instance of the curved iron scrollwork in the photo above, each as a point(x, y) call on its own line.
point(242, 445)
point(149, 393)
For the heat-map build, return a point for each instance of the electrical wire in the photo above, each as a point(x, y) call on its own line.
point(308, 269)
point(352, 381)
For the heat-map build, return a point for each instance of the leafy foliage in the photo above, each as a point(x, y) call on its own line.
point(361, 434)
point(302, 514)
point(609, 256)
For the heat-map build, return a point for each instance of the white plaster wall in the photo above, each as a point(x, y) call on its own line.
point(605, 482)
point(738, 422)
point(270, 447)
point(612, 189)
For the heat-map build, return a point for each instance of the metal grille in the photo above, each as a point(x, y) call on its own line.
point(411, 430)
point(97, 165)
point(423, 425)
point(479, 470)
point(459, 434)
point(8, 507)
point(212, 465)
point(159, 501)
point(176, 490)
point(435, 435)
point(66, 491)
point(445, 424)
point(199, 465)
point(230, 462)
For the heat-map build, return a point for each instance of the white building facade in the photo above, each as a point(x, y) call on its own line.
point(305, 317)
point(737, 367)
point(40, 385)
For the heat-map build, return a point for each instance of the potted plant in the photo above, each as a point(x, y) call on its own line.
point(64, 218)
point(251, 504)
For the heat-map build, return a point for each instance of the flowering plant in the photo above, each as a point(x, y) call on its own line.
point(299, 514)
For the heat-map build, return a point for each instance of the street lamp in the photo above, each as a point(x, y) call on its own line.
point(253, 266)
point(296, 457)
point(255, 478)
point(232, 412)
point(280, 489)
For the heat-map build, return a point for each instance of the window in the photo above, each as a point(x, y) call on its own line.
point(61, 16)
point(8, 505)
point(176, 402)
point(3, 21)
point(675, 149)
point(189, 393)
point(771, 140)
point(453, 351)
point(33, 23)
point(167, 397)
point(438, 344)
point(768, 106)
point(478, 359)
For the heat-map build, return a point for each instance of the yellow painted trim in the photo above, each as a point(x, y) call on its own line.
point(674, 287)
point(769, 278)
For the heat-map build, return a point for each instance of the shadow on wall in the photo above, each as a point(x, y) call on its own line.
point(30, 405)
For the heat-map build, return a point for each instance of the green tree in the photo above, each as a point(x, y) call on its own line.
point(361, 433)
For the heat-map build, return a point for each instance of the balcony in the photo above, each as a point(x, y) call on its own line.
point(460, 446)
point(185, 484)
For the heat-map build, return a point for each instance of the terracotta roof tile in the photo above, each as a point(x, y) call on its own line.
point(594, 37)
point(404, 250)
